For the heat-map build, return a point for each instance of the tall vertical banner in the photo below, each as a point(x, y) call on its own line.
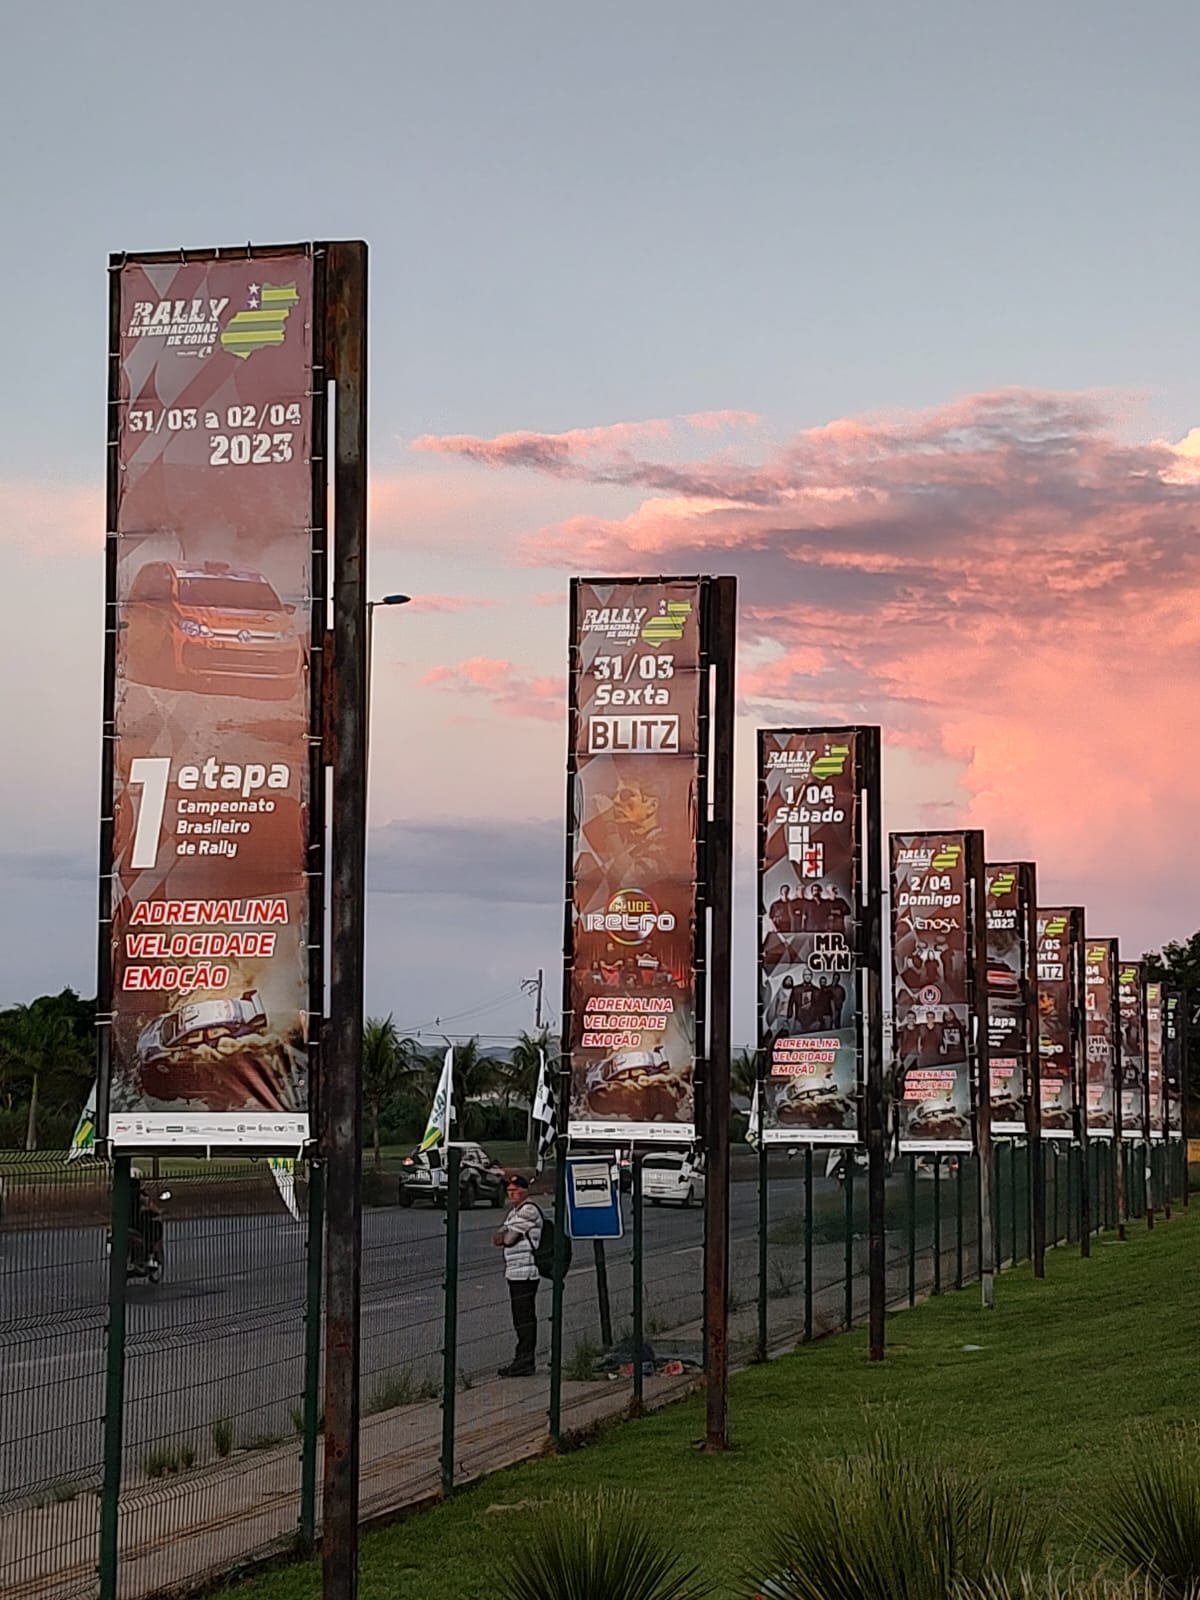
point(1173, 1061)
point(210, 961)
point(939, 997)
point(1102, 1026)
point(1060, 959)
point(1011, 994)
point(811, 962)
point(1155, 1082)
point(1132, 1004)
point(637, 786)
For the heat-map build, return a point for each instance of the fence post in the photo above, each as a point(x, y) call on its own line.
point(808, 1241)
point(560, 1256)
point(912, 1230)
point(638, 1320)
point(314, 1246)
point(958, 1220)
point(603, 1305)
point(848, 1290)
point(450, 1319)
point(762, 1222)
point(937, 1223)
point(1012, 1177)
point(114, 1386)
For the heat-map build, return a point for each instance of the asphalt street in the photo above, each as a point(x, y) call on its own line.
point(222, 1336)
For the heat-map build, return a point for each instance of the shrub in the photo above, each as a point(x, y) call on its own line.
point(582, 1365)
point(888, 1524)
point(399, 1389)
point(594, 1547)
point(1150, 1519)
point(222, 1436)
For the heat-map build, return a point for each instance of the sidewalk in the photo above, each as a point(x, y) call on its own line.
point(204, 1524)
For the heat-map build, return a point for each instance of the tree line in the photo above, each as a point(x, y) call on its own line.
point(48, 1055)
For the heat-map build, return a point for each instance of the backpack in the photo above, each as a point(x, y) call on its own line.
point(543, 1254)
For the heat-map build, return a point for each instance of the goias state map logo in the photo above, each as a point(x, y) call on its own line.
point(263, 323)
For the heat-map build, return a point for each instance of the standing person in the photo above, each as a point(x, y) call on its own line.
point(781, 911)
point(519, 1237)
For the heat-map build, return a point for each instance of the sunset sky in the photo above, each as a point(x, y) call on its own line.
point(888, 310)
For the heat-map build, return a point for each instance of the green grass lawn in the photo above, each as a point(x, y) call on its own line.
point(1067, 1371)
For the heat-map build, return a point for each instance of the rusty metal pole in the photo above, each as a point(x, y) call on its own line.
point(721, 634)
point(872, 948)
point(346, 361)
point(977, 979)
point(1033, 1104)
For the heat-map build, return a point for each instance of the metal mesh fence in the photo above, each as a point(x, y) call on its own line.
point(214, 1398)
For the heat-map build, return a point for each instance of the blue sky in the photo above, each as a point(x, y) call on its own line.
point(578, 218)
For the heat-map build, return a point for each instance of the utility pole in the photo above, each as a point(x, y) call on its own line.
point(533, 986)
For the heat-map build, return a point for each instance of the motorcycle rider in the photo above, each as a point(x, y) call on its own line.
point(145, 1225)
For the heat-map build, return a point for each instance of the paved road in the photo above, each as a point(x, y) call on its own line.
point(222, 1336)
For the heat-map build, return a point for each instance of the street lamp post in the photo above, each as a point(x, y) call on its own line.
point(388, 600)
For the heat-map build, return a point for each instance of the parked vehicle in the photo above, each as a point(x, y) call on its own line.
point(422, 1178)
point(672, 1177)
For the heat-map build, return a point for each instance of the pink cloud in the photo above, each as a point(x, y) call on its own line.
point(568, 454)
point(50, 518)
point(512, 692)
point(450, 602)
point(1003, 581)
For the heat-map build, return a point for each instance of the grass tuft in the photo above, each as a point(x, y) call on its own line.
point(605, 1546)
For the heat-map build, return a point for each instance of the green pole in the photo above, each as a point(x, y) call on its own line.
point(958, 1224)
point(114, 1385)
point(1054, 1163)
point(638, 1249)
point(314, 1247)
point(937, 1223)
point(450, 1319)
point(762, 1225)
point(1013, 1197)
point(848, 1287)
point(912, 1230)
point(808, 1241)
point(560, 1265)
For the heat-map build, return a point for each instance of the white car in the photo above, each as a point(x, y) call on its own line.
point(200, 1022)
point(672, 1177)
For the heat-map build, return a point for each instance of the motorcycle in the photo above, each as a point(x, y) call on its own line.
point(144, 1255)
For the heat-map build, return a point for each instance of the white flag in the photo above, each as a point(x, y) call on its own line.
point(752, 1125)
point(441, 1113)
point(283, 1170)
point(83, 1140)
point(543, 1114)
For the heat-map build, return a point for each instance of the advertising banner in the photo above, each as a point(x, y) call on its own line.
point(1100, 1010)
point(214, 518)
point(1132, 1005)
point(1155, 1086)
point(1059, 954)
point(938, 1003)
point(811, 930)
point(638, 782)
point(1173, 1060)
point(1011, 994)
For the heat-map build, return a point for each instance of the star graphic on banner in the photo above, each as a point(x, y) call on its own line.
point(253, 296)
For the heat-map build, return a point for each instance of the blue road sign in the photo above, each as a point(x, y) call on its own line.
point(593, 1199)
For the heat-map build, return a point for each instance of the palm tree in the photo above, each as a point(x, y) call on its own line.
point(521, 1074)
point(743, 1073)
point(475, 1076)
point(385, 1065)
point(39, 1041)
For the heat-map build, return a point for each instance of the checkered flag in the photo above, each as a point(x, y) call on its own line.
point(544, 1128)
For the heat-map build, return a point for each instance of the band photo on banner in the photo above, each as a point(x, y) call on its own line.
point(1011, 893)
point(1102, 1028)
point(811, 949)
point(1173, 1060)
point(1131, 998)
point(1059, 954)
point(206, 962)
point(1155, 1085)
point(637, 780)
point(938, 1001)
